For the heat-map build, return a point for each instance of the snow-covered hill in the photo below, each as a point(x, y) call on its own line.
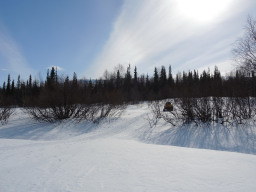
point(125, 155)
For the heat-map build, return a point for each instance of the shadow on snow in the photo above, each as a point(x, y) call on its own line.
point(238, 138)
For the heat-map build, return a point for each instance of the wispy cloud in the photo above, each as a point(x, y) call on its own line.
point(3, 69)
point(151, 33)
point(56, 67)
point(12, 55)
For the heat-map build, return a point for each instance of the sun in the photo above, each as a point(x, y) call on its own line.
point(202, 10)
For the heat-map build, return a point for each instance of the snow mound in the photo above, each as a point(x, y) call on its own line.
point(121, 155)
point(133, 125)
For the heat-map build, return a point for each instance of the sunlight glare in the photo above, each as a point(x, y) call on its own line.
point(202, 10)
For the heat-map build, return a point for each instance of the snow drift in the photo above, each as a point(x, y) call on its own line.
point(122, 155)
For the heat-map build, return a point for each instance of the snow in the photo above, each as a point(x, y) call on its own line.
point(124, 155)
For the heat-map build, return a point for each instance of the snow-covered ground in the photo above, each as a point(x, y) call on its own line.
point(125, 155)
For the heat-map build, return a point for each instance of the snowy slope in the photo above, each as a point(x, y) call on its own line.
point(122, 155)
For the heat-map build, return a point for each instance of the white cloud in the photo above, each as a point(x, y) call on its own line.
point(151, 33)
point(55, 66)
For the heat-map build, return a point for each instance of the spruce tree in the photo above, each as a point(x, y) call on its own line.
point(156, 81)
point(4, 86)
point(8, 88)
point(163, 78)
point(118, 79)
point(18, 83)
point(128, 78)
point(30, 82)
point(135, 75)
point(170, 77)
point(12, 87)
point(74, 81)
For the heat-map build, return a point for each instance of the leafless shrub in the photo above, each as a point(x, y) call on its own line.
point(196, 110)
point(5, 113)
point(206, 110)
point(92, 112)
point(240, 109)
point(54, 113)
point(5, 110)
point(171, 116)
point(157, 113)
point(202, 110)
point(104, 111)
point(217, 109)
point(186, 109)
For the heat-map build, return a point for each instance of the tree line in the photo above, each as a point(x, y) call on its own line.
point(119, 86)
point(61, 97)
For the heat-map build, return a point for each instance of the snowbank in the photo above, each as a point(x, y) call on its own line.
point(121, 155)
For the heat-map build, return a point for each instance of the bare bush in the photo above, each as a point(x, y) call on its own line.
point(202, 110)
point(107, 111)
point(5, 113)
point(93, 112)
point(54, 113)
point(5, 110)
point(186, 109)
point(240, 109)
point(205, 110)
point(171, 117)
point(157, 113)
point(217, 109)
point(196, 110)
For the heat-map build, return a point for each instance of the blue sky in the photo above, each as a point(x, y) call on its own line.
point(90, 36)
